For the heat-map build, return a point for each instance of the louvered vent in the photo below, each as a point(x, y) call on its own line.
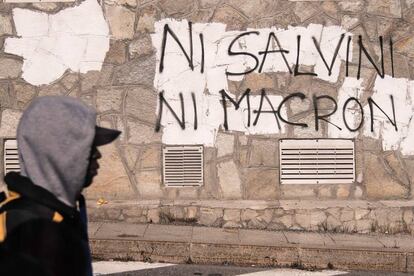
point(320, 161)
point(183, 166)
point(11, 156)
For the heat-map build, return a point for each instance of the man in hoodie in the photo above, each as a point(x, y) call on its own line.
point(43, 222)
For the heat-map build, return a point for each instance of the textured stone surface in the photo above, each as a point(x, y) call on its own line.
point(141, 46)
point(6, 27)
point(9, 121)
point(141, 103)
point(24, 94)
point(261, 183)
point(263, 153)
point(112, 182)
point(109, 99)
point(116, 53)
point(9, 68)
point(229, 180)
point(379, 184)
point(389, 8)
point(121, 21)
point(141, 133)
point(138, 71)
point(149, 184)
point(225, 144)
point(151, 157)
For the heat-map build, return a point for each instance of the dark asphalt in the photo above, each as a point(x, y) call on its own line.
point(209, 270)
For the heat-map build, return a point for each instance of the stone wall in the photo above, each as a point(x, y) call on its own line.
point(387, 217)
point(241, 171)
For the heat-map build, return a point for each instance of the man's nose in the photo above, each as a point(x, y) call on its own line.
point(98, 154)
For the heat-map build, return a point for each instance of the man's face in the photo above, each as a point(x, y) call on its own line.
point(93, 166)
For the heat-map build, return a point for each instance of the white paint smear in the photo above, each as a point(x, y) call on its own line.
point(402, 91)
point(76, 38)
point(177, 77)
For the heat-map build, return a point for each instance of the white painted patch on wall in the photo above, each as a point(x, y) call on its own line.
point(402, 91)
point(76, 38)
point(178, 78)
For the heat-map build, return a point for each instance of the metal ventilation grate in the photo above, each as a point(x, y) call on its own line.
point(183, 166)
point(11, 156)
point(320, 161)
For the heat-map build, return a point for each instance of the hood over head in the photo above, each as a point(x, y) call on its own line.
point(55, 136)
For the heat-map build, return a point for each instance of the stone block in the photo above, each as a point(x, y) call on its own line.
point(69, 80)
point(347, 215)
point(358, 193)
point(113, 214)
point(117, 53)
point(351, 6)
point(303, 219)
point(191, 212)
point(263, 153)
point(378, 182)
point(232, 224)
point(248, 214)
point(44, 6)
point(9, 121)
point(397, 168)
point(333, 223)
point(92, 79)
point(151, 157)
point(142, 46)
point(139, 133)
point(6, 27)
point(325, 192)
point(51, 90)
point(408, 216)
point(304, 10)
point(387, 8)
point(317, 218)
point(286, 220)
point(224, 144)
point(261, 183)
point(361, 213)
point(256, 82)
point(229, 16)
point(10, 68)
point(137, 71)
point(210, 216)
point(363, 226)
point(131, 3)
point(188, 192)
point(174, 7)
point(297, 191)
point(405, 46)
point(109, 99)
point(141, 103)
point(121, 21)
point(112, 181)
point(343, 191)
point(149, 184)
point(232, 215)
point(229, 180)
point(7, 97)
point(131, 154)
point(24, 94)
point(147, 19)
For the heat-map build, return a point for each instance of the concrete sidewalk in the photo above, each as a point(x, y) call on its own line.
point(204, 245)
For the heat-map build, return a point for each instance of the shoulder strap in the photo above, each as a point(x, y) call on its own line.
point(16, 210)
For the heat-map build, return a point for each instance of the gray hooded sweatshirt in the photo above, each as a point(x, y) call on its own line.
point(54, 136)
